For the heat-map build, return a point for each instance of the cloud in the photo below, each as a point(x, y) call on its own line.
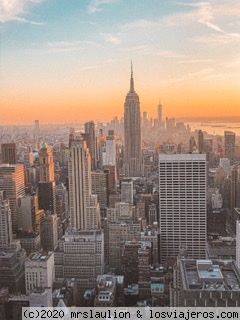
point(97, 5)
point(154, 51)
point(206, 13)
point(70, 46)
point(113, 39)
point(13, 10)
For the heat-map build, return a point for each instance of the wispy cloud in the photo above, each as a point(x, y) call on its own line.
point(154, 51)
point(100, 65)
point(207, 15)
point(201, 74)
point(13, 10)
point(113, 39)
point(97, 5)
point(194, 61)
point(70, 46)
point(217, 39)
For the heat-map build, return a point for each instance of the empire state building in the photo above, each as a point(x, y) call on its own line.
point(132, 133)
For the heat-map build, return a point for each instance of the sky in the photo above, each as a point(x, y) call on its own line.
point(69, 60)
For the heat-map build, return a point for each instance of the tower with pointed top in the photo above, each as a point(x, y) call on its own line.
point(132, 133)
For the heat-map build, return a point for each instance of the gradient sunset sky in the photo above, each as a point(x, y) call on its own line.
point(69, 60)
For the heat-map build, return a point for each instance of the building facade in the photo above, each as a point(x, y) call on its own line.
point(182, 205)
point(80, 187)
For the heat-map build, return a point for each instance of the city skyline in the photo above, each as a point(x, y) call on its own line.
point(70, 62)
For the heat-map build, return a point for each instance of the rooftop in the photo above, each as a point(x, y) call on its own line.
point(221, 275)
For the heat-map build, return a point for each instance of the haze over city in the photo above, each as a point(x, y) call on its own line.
point(70, 60)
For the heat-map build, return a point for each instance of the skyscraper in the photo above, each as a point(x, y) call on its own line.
point(36, 125)
point(91, 142)
point(132, 133)
point(46, 164)
point(82, 215)
point(182, 204)
point(12, 182)
point(5, 222)
point(159, 109)
point(229, 145)
point(9, 153)
point(46, 185)
point(200, 141)
point(110, 157)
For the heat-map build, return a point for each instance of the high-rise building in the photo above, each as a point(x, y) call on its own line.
point(192, 144)
point(127, 191)
point(132, 133)
point(80, 187)
point(80, 255)
point(229, 145)
point(39, 271)
point(119, 232)
point(12, 268)
point(145, 119)
point(46, 164)
point(205, 283)
point(12, 182)
point(182, 204)
point(109, 158)
point(235, 187)
point(238, 244)
point(91, 143)
point(36, 125)
point(46, 185)
point(47, 196)
point(111, 176)
point(49, 232)
point(100, 188)
point(159, 110)
point(5, 222)
point(200, 141)
point(9, 153)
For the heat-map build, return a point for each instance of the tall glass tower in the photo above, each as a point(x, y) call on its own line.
point(132, 133)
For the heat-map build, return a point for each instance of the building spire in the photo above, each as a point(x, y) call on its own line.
point(131, 80)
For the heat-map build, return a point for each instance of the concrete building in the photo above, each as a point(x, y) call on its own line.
point(132, 133)
point(119, 232)
point(100, 188)
point(152, 236)
point(206, 283)
point(182, 205)
point(9, 153)
point(90, 136)
point(238, 243)
point(46, 185)
point(109, 291)
point(229, 145)
point(127, 191)
point(12, 182)
point(12, 268)
point(26, 211)
point(80, 187)
point(5, 222)
point(46, 164)
point(30, 240)
point(200, 141)
point(49, 232)
point(39, 271)
point(109, 157)
point(80, 255)
point(122, 210)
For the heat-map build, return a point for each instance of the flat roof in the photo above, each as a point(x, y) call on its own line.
point(210, 275)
